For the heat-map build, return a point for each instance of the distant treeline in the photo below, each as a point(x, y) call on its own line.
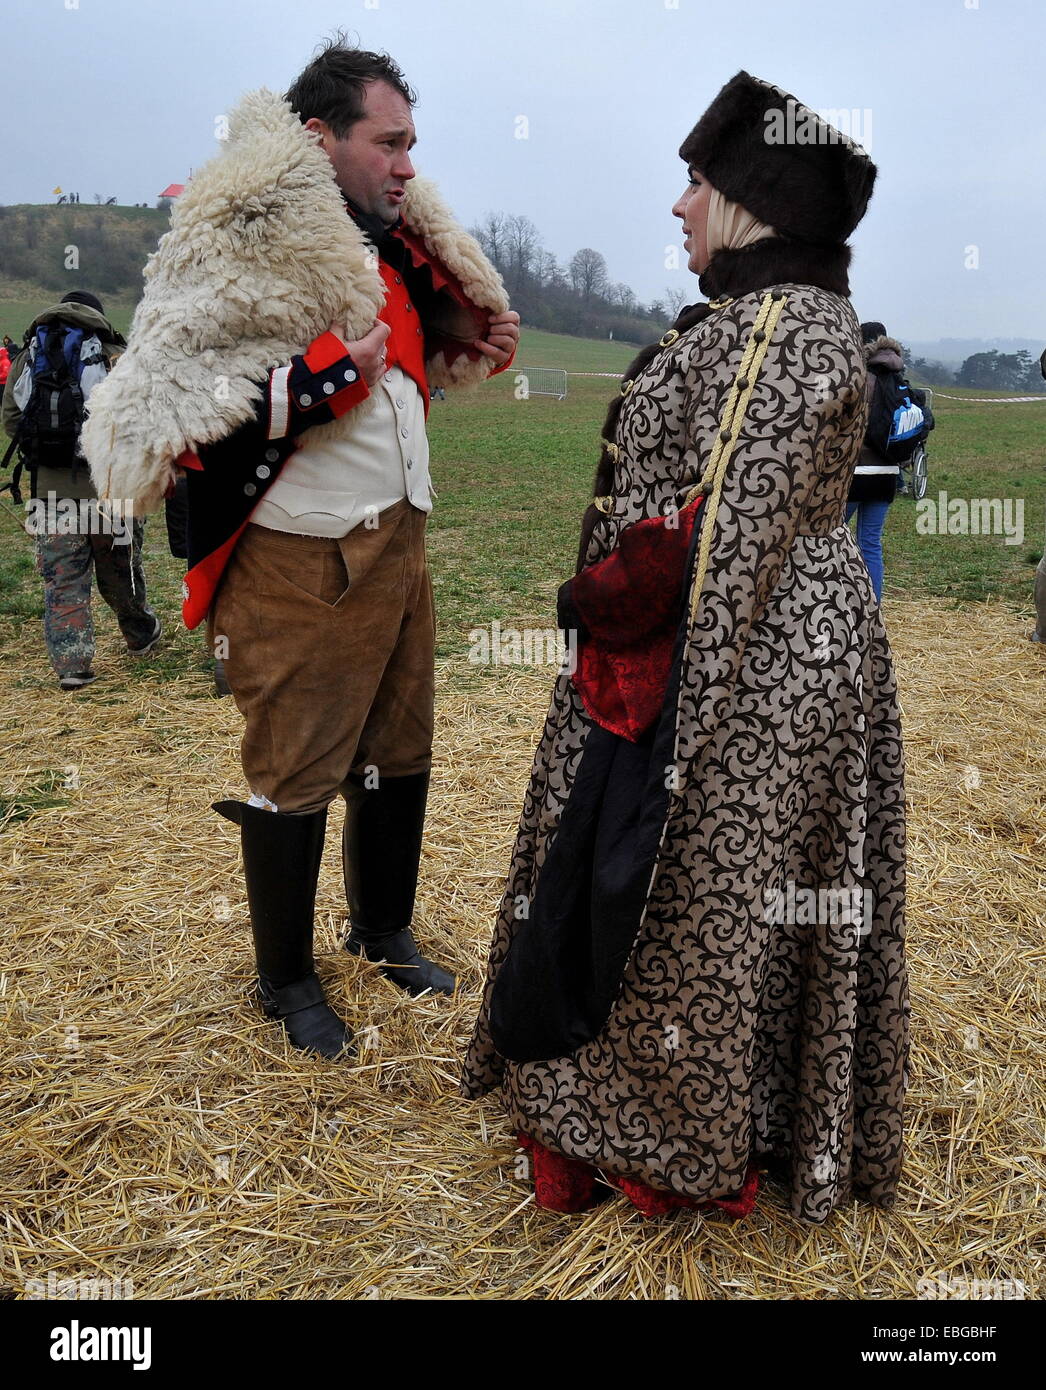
point(994, 370)
point(104, 248)
point(578, 297)
point(78, 245)
point(54, 248)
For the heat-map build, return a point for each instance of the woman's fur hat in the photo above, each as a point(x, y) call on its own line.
point(762, 148)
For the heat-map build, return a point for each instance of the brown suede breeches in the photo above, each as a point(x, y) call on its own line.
point(328, 648)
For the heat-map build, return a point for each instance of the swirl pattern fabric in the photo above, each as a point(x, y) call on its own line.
point(742, 1031)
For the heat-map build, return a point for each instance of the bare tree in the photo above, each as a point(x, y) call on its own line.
point(491, 236)
point(523, 243)
point(674, 299)
point(625, 297)
point(546, 269)
point(588, 273)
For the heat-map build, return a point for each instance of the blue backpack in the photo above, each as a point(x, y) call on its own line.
point(898, 418)
point(65, 363)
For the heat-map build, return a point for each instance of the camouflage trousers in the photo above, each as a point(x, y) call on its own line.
point(65, 562)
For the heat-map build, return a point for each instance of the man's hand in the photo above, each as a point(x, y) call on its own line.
point(368, 353)
point(502, 337)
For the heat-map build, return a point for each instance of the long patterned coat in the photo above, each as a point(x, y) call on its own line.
point(751, 1020)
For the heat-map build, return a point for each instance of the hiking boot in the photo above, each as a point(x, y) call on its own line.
point(77, 681)
point(151, 643)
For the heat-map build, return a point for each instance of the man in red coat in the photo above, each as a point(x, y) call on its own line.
point(307, 556)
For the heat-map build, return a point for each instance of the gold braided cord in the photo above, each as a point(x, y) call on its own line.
point(730, 427)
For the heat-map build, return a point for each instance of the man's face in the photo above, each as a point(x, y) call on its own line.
point(372, 163)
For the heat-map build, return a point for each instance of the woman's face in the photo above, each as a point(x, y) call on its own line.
point(692, 207)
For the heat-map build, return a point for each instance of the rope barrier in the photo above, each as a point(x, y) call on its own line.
point(985, 400)
point(974, 400)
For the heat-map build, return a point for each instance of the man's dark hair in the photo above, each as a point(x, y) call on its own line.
point(331, 88)
point(85, 297)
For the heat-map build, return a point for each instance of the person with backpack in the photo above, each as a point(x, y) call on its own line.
point(1038, 632)
point(898, 419)
point(68, 350)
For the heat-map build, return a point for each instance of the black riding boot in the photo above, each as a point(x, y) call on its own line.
point(381, 852)
point(281, 865)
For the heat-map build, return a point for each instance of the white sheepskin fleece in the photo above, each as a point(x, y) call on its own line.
point(260, 258)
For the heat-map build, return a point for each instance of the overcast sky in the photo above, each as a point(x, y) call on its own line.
point(121, 97)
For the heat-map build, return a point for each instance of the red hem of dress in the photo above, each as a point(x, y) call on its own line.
point(568, 1185)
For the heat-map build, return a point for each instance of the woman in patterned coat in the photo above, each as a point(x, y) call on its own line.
point(698, 967)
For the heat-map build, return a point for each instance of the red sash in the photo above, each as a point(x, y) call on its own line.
point(631, 604)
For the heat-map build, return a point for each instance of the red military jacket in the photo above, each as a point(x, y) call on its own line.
point(228, 479)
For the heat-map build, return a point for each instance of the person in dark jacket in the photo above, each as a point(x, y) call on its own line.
point(1038, 632)
point(875, 478)
point(73, 541)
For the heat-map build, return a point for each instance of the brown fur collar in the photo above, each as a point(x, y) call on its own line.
point(777, 261)
point(883, 344)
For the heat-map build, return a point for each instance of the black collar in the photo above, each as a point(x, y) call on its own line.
point(373, 228)
point(776, 261)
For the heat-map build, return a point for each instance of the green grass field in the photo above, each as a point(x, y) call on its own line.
point(17, 314)
point(160, 1134)
point(514, 476)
